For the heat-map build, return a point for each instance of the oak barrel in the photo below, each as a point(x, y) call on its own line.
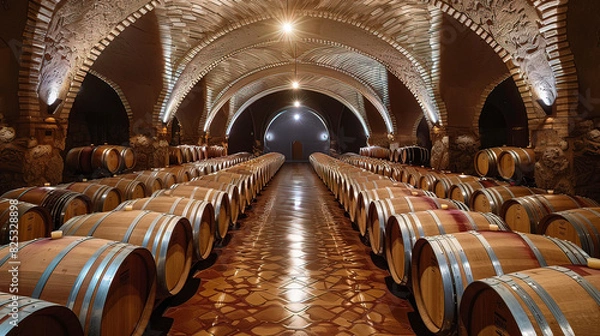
point(167, 178)
point(486, 161)
point(103, 197)
point(23, 221)
point(130, 189)
point(152, 182)
point(79, 159)
point(441, 187)
point(106, 157)
point(62, 204)
point(181, 173)
point(443, 266)
point(199, 213)
point(580, 226)
point(243, 182)
point(365, 198)
point(463, 190)
point(218, 199)
point(403, 230)
point(168, 237)
point(554, 300)
point(175, 156)
point(236, 200)
point(524, 213)
point(516, 163)
point(109, 285)
point(491, 199)
point(36, 317)
point(416, 155)
point(127, 158)
point(381, 210)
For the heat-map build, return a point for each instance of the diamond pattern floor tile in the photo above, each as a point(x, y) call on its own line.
point(294, 267)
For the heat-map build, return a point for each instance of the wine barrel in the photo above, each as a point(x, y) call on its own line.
point(426, 179)
point(79, 159)
point(462, 191)
point(152, 182)
point(103, 197)
point(200, 214)
point(130, 189)
point(218, 199)
point(24, 221)
point(106, 157)
point(415, 155)
point(356, 187)
point(441, 187)
point(126, 158)
point(365, 198)
point(516, 163)
point(243, 182)
point(167, 179)
point(524, 213)
point(491, 199)
point(22, 315)
point(403, 230)
point(175, 156)
point(412, 175)
point(62, 204)
point(579, 226)
point(486, 161)
point(182, 174)
point(442, 266)
point(554, 300)
point(168, 237)
point(109, 285)
point(381, 210)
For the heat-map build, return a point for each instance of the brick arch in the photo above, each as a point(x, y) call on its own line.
point(119, 92)
point(484, 96)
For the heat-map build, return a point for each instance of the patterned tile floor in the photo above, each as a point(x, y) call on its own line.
point(294, 267)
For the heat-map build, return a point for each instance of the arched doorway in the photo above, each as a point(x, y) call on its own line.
point(503, 120)
point(297, 133)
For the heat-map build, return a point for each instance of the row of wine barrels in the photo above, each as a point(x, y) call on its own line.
point(168, 237)
point(110, 157)
point(524, 213)
point(218, 199)
point(463, 190)
point(130, 189)
point(553, 300)
point(199, 213)
point(152, 182)
point(103, 197)
point(403, 230)
point(414, 155)
point(442, 186)
point(22, 315)
point(237, 201)
point(511, 163)
point(579, 226)
point(61, 203)
point(216, 151)
point(365, 197)
point(381, 210)
point(443, 266)
point(24, 221)
point(65, 271)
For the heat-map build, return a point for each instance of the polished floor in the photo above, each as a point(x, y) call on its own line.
point(295, 266)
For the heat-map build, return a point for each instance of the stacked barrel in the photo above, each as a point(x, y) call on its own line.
point(110, 158)
point(142, 247)
point(458, 242)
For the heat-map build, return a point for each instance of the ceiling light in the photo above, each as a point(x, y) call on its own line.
point(296, 116)
point(297, 103)
point(295, 85)
point(288, 27)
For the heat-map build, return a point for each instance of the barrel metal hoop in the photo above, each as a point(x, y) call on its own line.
point(437, 221)
point(575, 255)
point(410, 204)
point(176, 203)
point(548, 301)
point(587, 243)
point(536, 251)
point(470, 219)
point(37, 291)
point(490, 252)
point(449, 271)
point(95, 226)
point(83, 273)
point(587, 286)
point(463, 258)
point(149, 232)
point(589, 237)
point(122, 251)
point(418, 225)
point(531, 305)
point(133, 225)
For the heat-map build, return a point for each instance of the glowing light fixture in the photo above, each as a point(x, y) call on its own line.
point(296, 116)
point(297, 103)
point(287, 27)
point(295, 85)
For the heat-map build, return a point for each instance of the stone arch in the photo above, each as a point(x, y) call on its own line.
point(118, 90)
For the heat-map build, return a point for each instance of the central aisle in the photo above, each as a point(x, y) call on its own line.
point(295, 267)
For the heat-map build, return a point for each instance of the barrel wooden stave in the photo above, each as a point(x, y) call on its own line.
point(491, 199)
point(130, 189)
point(579, 226)
point(486, 161)
point(516, 163)
point(168, 237)
point(64, 271)
point(440, 273)
point(560, 301)
point(106, 157)
point(103, 197)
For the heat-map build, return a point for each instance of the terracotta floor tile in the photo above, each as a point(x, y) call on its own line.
point(295, 266)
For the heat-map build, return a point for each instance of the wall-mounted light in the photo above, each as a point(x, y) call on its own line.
point(547, 108)
point(295, 85)
point(296, 117)
point(52, 107)
point(297, 103)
